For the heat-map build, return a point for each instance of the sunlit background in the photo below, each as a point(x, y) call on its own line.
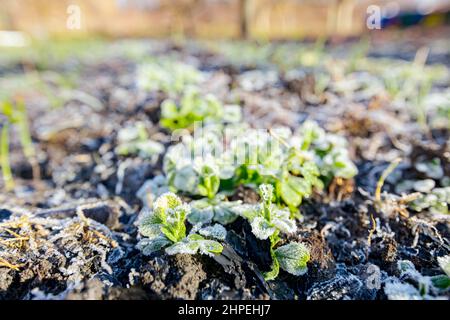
point(260, 19)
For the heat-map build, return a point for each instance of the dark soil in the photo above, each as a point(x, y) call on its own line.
point(79, 218)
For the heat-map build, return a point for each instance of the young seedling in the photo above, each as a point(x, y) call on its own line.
point(417, 286)
point(17, 115)
point(268, 222)
point(193, 107)
point(216, 209)
point(164, 227)
point(295, 165)
point(168, 76)
point(443, 281)
point(4, 158)
point(135, 141)
point(436, 201)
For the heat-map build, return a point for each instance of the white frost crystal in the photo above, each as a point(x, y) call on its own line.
point(216, 231)
point(444, 263)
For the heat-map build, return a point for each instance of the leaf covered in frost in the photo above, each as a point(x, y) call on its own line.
point(293, 258)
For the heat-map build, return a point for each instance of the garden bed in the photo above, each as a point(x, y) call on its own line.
point(102, 129)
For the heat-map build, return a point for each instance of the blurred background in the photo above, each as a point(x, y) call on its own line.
point(255, 19)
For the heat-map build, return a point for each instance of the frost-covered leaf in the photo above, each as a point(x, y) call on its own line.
point(134, 140)
point(152, 189)
point(261, 228)
point(267, 218)
point(165, 222)
point(266, 191)
point(149, 246)
point(216, 231)
point(167, 75)
point(186, 179)
point(193, 244)
point(441, 281)
point(216, 209)
point(283, 222)
point(150, 224)
point(210, 247)
point(396, 290)
point(202, 212)
point(444, 263)
point(183, 247)
point(247, 211)
point(293, 258)
point(225, 213)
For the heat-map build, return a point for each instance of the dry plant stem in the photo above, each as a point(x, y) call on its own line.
point(383, 177)
point(372, 230)
point(4, 263)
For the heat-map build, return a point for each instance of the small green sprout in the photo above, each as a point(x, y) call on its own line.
point(4, 158)
point(436, 201)
point(443, 281)
point(295, 164)
point(422, 286)
point(16, 114)
point(217, 209)
point(152, 189)
point(135, 141)
point(193, 107)
point(164, 227)
point(191, 166)
point(268, 222)
point(266, 219)
point(298, 177)
point(167, 76)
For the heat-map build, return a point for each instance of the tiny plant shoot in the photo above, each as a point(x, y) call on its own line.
point(269, 222)
point(164, 227)
point(4, 158)
point(16, 114)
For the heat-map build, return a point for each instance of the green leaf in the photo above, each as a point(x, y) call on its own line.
point(149, 246)
point(281, 219)
point(150, 224)
point(289, 194)
point(193, 244)
point(217, 209)
point(266, 191)
point(444, 263)
point(209, 247)
point(225, 212)
point(293, 258)
point(167, 218)
point(261, 228)
point(216, 231)
point(202, 213)
point(275, 269)
point(441, 281)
